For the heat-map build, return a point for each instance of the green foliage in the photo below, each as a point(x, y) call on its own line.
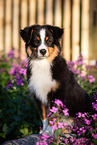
point(18, 114)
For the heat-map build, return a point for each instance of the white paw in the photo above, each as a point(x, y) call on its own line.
point(47, 131)
point(41, 131)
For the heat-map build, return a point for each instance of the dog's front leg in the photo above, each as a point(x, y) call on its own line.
point(46, 128)
point(44, 118)
point(43, 109)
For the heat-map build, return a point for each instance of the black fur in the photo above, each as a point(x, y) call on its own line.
point(69, 91)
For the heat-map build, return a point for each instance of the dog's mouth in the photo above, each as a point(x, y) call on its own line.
point(42, 57)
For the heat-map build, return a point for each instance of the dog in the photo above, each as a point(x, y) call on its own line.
point(48, 75)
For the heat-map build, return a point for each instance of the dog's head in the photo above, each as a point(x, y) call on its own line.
point(42, 41)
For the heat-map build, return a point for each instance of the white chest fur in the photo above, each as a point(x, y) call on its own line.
point(41, 80)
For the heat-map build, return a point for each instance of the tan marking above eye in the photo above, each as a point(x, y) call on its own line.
point(38, 38)
point(47, 38)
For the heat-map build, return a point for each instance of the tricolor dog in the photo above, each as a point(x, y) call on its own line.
point(48, 74)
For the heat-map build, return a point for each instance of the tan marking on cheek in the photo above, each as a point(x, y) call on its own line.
point(55, 87)
point(44, 112)
point(29, 51)
point(53, 52)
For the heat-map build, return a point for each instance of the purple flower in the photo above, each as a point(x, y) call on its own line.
point(71, 64)
point(11, 54)
point(88, 66)
point(76, 71)
point(19, 81)
point(9, 85)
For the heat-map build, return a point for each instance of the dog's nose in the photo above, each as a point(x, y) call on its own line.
point(43, 51)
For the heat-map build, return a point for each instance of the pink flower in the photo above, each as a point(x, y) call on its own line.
point(60, 125)
point(91, 78)
point(58, 102)
point(22, 71)
point(87, 121)
point(66, 112)
point(54, 127)
point(65, 124)
point(84, 131)
point(94, 136)
point(94, 116)
point(11, 54)
point(54, 109)
point(80, 63)
point(94, 106)
point(44, 137)
point(49, 114)
point(52, 122)
point(79, 114)
point(71, 64)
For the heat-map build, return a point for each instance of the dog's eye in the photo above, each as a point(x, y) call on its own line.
point(49, 41)
point(36, 40)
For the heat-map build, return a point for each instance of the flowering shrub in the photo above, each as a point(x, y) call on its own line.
point(84, 74)
point(17, 116)
point(82, 131)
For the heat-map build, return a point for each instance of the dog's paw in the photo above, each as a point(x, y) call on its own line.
point(47, 131)
point(41, 131)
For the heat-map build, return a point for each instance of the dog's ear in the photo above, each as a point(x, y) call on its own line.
point(26, 34)
point(56, 31)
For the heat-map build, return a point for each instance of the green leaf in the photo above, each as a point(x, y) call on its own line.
point(5, 129)
point(95, 141)
point(57, 133)
point(53, 115)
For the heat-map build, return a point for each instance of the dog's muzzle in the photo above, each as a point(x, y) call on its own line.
point(43, 52)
